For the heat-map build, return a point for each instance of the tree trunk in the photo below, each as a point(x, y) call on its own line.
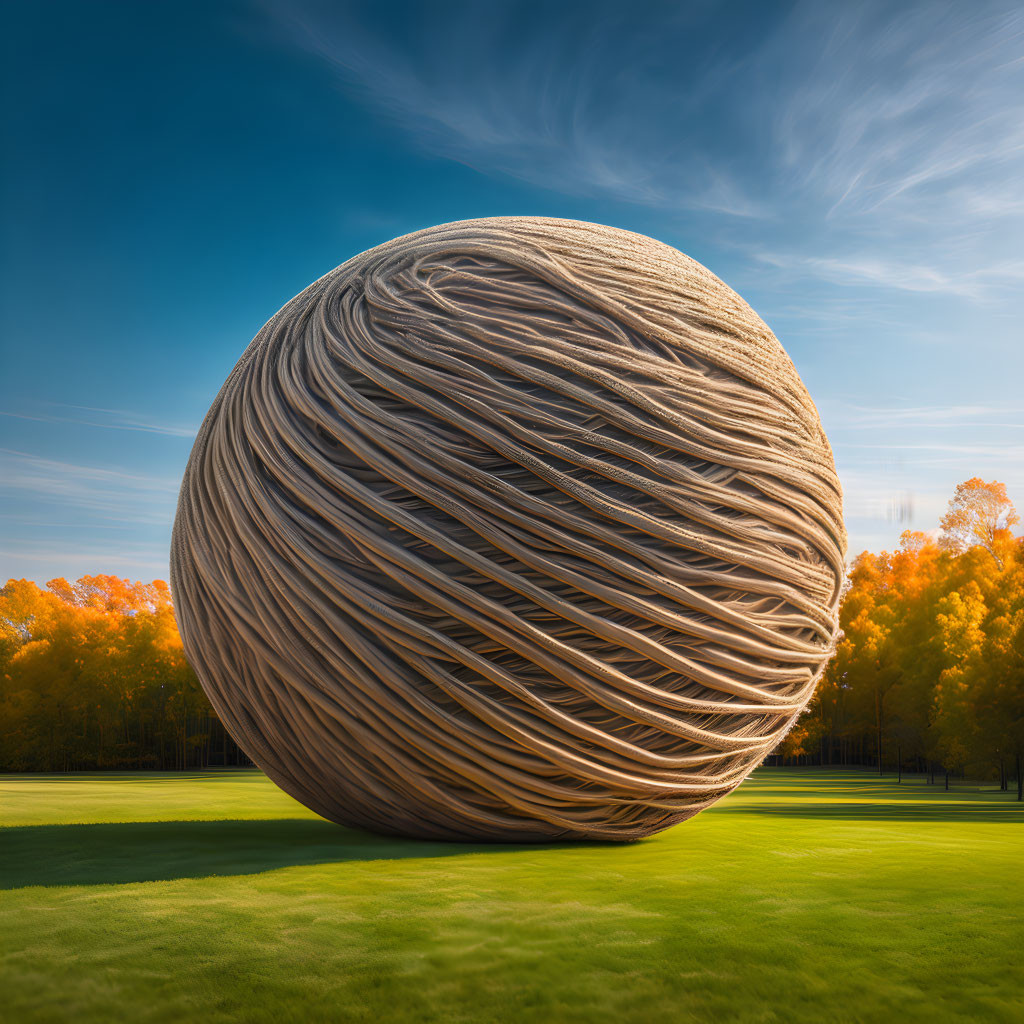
point(1020, 780)
point(878, 721)
point(947, 781)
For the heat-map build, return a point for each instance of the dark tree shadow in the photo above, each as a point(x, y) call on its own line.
point(885, 812)
point(151, 851)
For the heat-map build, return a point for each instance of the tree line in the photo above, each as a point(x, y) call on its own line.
point(928, 673)
point(93, 676)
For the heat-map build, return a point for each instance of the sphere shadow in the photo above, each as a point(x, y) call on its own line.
point(122, 853)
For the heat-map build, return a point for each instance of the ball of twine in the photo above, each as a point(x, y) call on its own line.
point(510, 529)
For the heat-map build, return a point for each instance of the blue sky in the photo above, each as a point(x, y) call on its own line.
point(176, 172)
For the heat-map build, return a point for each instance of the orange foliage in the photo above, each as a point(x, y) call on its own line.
point(930, 665)
point(979, 513)
point(93, 675)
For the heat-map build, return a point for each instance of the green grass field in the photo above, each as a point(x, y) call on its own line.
point(806, 896)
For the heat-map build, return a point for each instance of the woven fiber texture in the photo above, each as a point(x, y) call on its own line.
point(510, 529)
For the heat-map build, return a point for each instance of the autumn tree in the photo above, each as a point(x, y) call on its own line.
point(928, 670)
point(929, 666)
point(979, 513)
point(93, 675)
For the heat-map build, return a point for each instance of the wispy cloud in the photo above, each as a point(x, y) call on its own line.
point(876, 271)
point(84, 559)
point(900, 462)
point(102, 492)
point(93, 518)
point(897, 107)
point(1009, 453)
point(579, 107)
point(929, 416)
point(852, 130)
point(105, 419)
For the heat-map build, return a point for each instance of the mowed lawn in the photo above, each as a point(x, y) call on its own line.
point(808, 895)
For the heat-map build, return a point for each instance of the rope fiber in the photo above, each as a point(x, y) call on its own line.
point(510, 529)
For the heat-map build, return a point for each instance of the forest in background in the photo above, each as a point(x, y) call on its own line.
point(928, 674)
point(93, 676)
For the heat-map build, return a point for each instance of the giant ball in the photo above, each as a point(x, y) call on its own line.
point(510, 529)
